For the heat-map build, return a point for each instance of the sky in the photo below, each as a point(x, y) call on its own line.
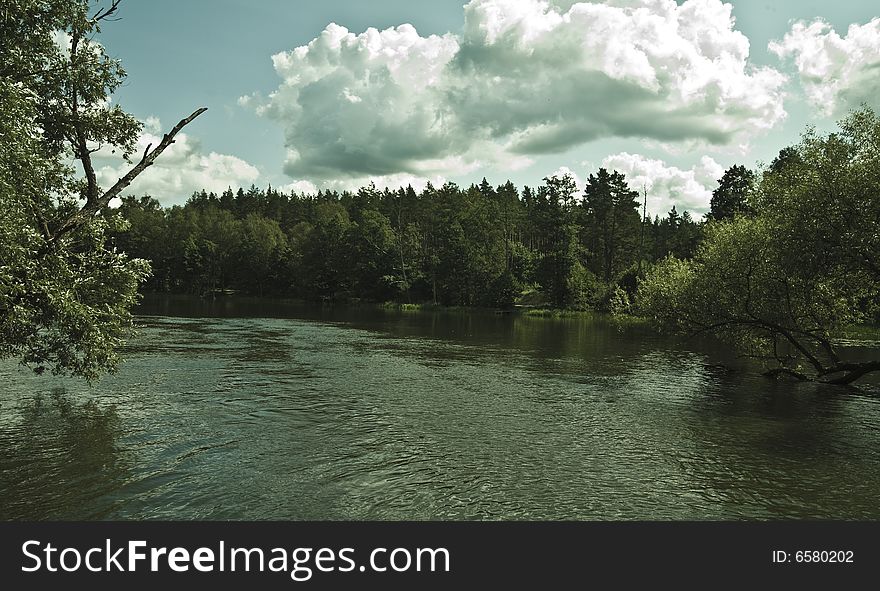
point(305, 95)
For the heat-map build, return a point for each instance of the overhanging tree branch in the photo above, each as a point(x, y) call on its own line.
point(851, 371)
point(94, 203)
point(105, 13)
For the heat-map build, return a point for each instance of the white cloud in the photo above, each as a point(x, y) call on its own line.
point(837, 73)
point(689, 190)
point(524, 77)
point(304, 187)
point(392, 182)
point(564, 170)
point(363, 105)
point(61, 39)
point(152, 125)
point(182, 169)
point(649, 69)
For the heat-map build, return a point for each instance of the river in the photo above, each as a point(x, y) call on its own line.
point(247, 409)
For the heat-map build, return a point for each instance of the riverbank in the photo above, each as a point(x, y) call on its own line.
point(533, 310)
point(864, 335)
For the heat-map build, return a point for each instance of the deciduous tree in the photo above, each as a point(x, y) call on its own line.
point(65, 293)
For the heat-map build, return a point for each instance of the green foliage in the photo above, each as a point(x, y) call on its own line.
point(731, 197)
point(611, 223)
point(618, 302)
point(583, 288)
point(261, 251)
point(629, 280)
point(505, 290)
point(781, 282)
point(65, 292)
point(67, 309)
point(676, 234)
point(559, 251)
point(664, 293)
point(742, 286)
point(522, 261)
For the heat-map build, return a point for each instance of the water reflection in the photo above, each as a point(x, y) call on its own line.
point(59, 456)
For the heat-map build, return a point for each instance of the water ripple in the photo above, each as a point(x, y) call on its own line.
point(430, 417)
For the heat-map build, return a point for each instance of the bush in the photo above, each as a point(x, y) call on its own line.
point(504, 291)
point(618, 301)
point(582, 288)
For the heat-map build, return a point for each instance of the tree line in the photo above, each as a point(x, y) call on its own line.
point(483, 245)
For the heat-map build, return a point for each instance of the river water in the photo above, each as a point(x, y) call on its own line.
point(262, 410)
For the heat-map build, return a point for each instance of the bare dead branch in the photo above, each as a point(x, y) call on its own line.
point(94, 204)
point(851, 371)
point(104, 13)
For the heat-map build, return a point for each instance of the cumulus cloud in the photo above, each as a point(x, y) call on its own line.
point(552, 79)
point(836, 73)
point(361, 105)
point(391, 181)
point(564, 170)
point(353, 184)
point(303, 187)
point(667, 185)
point(523, 78)
point(181, 169)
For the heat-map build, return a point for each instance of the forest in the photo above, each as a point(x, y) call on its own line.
point(480, 246)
